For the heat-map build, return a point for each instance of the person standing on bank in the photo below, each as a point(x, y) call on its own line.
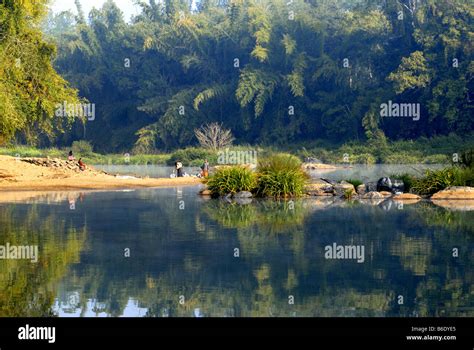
point(205, 169)
point(179, 169)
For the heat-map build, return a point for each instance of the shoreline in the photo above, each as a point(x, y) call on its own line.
point(20, 175)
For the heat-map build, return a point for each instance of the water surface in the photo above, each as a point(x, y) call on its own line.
point(191, 256)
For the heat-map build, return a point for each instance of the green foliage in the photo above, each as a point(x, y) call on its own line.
point(30, 88)
point(401, 158)
point(437, 180)
point(185, 58)
point(412, 73)
point(82, 148)
point(364, 158)
point(280, 175)
point(355, 182)
point(231, 180)
point(192, 156)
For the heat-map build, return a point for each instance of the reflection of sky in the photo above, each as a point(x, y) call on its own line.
point(63, 309)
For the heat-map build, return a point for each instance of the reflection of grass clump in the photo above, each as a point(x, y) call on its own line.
point(231, 180)
point(280, 175)
point(274, 216)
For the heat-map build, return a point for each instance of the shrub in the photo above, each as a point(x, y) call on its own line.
point(464, 177)
point(436, 159)
point(82, 148)
point(192, 156)
point(280, 175)
point(437, 180)
point(364, 158)
point(231, 180)
point(401, 158)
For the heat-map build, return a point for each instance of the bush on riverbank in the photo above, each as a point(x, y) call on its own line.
point(280, 175)
point(438, 180)
point(231, 180)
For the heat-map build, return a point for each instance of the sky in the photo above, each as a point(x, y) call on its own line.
point(127, 6)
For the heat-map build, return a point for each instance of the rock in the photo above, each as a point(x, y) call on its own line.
point(317, 166)
point(455, 192)
point(373, 195)
point(389, 185)
point(406, 197)
point(343, 187)
point(361, 189)
point(386, 193)
point(242, 194)
point(319, 187)
point(205, 192)
point(371, 187)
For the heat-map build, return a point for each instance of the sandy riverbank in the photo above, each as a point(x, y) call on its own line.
point(18, 175)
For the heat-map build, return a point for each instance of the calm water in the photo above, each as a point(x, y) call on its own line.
point(356, 171)
point(224, 259)
point(145, 170)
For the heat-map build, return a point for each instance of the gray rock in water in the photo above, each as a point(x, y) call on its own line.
point(371, 186)
point(373, 195)
point(341, 188)
point(243, 194)
point(390, 185)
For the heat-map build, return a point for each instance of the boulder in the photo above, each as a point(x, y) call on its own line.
point(389, 185)
point(205, 192)
point(386, 193)
point(371, 187)
point(343, 187)
point(373, 195)
point(455, 192)
point(242, 194)
point(406, 197)
point(361, 189)
point(319, 187)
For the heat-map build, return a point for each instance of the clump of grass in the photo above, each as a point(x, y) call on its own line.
point(348, 194)
point(280, 175)
point(355, 182)
point(231, 180)
point(437, 180)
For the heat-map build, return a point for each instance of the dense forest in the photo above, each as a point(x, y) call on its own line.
point(273, 71)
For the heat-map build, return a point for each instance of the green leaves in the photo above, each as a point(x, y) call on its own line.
point(411, 73)
point(255, 85)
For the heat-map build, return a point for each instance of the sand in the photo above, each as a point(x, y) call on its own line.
point(16, 175)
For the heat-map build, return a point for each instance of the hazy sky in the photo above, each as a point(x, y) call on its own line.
point(127, 6)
